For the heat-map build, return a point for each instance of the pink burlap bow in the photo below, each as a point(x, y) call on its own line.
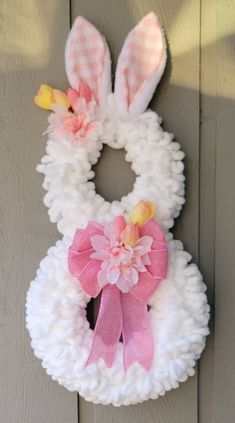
point(120, 313)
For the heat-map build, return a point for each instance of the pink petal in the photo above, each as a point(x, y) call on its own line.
point(141, 267)
point(111, 231)
point(127, 274)
point(100, 255)
point(85, 91)
point(80, 107)
point(114, 229)
point(102, 278)
point(99, 242)
point(134, 276)
point(88, 278)
point(113, 275)
point(123, 284)
point(73, 95)
point(159, 253)
point(144, 241)
point(146, 260)
point(143, 245)
point(120, 223)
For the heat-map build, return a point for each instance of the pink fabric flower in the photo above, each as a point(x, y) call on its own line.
point(121, 263)
point(148, 259)
point(127, 275)
point(85, 123)
point(73, 95)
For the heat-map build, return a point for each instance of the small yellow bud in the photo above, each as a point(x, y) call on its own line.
point(131, 235)
point(47, 96)
point(142, 212)
point(61, 98)
point(44, 98)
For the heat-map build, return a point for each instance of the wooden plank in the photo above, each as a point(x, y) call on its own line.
point(32, 38)
point(217, 373)
point(120, 182)
point(224, 345)
point(177, 100)
point(208, 85)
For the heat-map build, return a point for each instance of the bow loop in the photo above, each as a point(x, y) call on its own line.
point(127, 264)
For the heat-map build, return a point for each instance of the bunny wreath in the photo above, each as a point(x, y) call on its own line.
point(160, 346)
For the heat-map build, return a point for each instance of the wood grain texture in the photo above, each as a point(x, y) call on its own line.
point(177, 100)
point(32, 37)
point(217, 374)
point(208, 105)
point(120, 182)
point(198, 78)
point(224, 341)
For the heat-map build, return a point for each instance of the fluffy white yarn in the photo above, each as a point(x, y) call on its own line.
point(61, 336)
point(156, 160)
point(56, 306)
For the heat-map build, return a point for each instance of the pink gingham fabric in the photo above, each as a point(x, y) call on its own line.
point(139, 69)
point(143, 54)
point(140, 64)
point(85, 55)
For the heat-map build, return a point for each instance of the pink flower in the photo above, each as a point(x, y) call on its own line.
point(84, 124)
point(101, 260)
point(73, 95)
point(121, 263)
point(114, 254)
point(127, 274)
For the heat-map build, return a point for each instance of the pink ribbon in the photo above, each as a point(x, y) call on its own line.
point(120, 313)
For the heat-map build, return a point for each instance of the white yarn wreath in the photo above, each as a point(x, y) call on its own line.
point(56, 305)
point(156, 160)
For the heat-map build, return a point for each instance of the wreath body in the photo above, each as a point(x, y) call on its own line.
point(153, 297)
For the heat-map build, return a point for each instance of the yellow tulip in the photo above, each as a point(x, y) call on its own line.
point(43, 98)
point(60, 98)
point(142, 212)
point(47, 96)
point(131, 235)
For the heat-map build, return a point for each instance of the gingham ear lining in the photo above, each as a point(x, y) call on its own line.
point(86, 56)
point(140, 66)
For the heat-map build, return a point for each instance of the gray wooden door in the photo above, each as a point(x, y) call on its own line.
point(196, 100)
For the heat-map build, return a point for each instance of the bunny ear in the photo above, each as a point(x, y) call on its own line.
point(140, 66)
point(87, 59)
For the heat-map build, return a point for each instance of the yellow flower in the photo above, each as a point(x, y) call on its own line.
point(131, 235)
point(142, 212)
point(47, 96)
point(61, 98)
point(43, 98)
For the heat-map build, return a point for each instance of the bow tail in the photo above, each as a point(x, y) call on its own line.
point(136, 332)
point(108, 327)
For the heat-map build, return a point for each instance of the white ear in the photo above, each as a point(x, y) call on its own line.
point(140, 66)
point(87, 59)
